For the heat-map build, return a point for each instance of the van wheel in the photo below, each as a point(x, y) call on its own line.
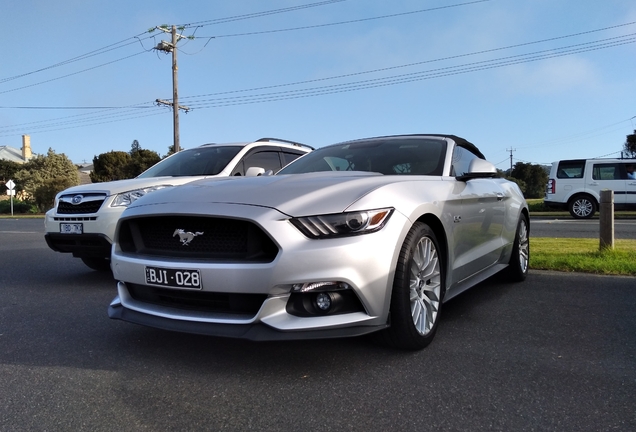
point(582, 207)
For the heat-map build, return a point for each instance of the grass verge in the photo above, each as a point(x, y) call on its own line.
point(583, 255)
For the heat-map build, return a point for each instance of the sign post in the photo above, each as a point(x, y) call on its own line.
point(10, 191)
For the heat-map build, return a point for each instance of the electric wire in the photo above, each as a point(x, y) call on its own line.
point(341, 22)
point(403, 78)
point(259, 14)
point(93, 53)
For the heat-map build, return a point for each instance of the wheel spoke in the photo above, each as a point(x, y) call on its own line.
point(425, 286)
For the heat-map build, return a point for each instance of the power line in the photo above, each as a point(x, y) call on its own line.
point(68, 108)
point(416, 63)
point(93, 53)
point(412, 77)
point(342, 22)
point(260, 14)
point(398, 79)
point(122, 43)
point(71, 74)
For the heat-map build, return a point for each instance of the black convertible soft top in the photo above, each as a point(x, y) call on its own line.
point(458, 140)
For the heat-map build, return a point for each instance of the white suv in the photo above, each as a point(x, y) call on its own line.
point(84, 218)
point(576, 185)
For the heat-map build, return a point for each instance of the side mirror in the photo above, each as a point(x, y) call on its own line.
point(479, 168)
point(254, 171)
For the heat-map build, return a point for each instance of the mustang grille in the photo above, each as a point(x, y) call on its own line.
point(227, 303)
point(194, 237)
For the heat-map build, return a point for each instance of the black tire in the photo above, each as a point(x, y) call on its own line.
point(418, 289)
point(582, 206)
point(96, 263)
point(519, 263)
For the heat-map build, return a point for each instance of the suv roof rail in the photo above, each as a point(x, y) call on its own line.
point(284, 141)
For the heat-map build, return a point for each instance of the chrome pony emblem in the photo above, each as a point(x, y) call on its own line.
point(77, 199)
point(186, 237)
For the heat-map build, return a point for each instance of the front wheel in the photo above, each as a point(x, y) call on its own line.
point(520, 258)
point(418, 286)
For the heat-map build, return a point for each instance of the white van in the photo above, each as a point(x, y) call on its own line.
point(576, 185)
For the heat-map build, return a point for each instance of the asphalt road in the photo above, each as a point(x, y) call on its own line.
point(554, 353)
point(579, 228)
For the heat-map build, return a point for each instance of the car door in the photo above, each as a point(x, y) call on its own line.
point(608, 176)
point(630, 186)
point(478, 231)
point(478, 225)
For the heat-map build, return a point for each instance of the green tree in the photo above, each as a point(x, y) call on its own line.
point(8, 170)
point(134, 147)
point(110, 166)
point(119, 165)
point(141, 160)
point(171, 151)
point(42, 177)
point(629, 148)
point(534, 177)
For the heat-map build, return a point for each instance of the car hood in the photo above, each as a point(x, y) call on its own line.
point(120, 186)
point(294, 194)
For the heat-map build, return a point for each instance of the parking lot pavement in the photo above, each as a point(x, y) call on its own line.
point(554, 353)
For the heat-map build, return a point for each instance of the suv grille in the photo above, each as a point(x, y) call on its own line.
point(195, 237)
point(90, 203)
point(227, 303)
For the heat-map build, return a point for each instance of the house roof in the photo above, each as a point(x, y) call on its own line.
point(11, 154)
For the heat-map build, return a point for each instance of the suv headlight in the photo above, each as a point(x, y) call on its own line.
point(342, 224)
point(125, 199)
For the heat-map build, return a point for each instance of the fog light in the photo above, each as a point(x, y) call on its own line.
point(320, 286)
point(323, 301)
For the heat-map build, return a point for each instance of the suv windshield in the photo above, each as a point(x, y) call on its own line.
point(389, 156)
point(198, 161)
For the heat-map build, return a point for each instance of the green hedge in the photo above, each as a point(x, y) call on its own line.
point(19, 207)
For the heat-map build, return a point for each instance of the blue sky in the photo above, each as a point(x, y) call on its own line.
point(549, 79)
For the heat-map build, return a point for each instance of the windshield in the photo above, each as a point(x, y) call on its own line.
point(198, 161)
point(389, 156)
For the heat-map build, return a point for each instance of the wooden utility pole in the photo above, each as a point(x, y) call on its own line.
point(175, 91)
point(172, 48)
point(511, 150)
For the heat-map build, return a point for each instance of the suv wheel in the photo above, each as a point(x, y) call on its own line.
point(582, 207)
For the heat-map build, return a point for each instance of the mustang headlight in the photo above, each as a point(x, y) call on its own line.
point(127, 198)
point(342, 224)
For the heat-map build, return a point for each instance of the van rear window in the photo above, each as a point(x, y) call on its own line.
point(571, 169)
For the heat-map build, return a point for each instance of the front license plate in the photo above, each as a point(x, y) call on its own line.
point(178, 278)
point(71, 228)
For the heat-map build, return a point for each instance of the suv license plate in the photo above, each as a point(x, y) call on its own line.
point(71, 228)
point(178, 278)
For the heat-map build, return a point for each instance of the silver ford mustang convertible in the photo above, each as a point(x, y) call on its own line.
point(364, 236)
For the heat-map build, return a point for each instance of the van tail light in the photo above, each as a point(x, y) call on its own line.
point(551, 186)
